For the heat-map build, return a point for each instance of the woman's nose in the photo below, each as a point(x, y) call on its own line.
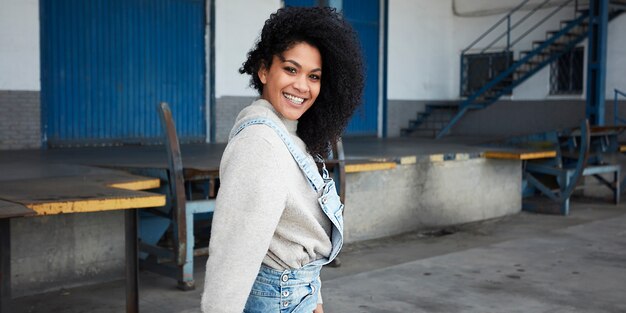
point(301, 84)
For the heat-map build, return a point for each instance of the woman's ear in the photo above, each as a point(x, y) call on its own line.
point(262, 73)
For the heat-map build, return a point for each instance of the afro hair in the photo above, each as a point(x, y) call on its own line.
point(342, 64)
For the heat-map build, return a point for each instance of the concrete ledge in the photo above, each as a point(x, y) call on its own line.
point(429, 194)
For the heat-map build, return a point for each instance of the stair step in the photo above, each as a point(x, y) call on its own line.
point(556, 43)
point(552, 33)
point(526, 52)
point(440, 114)
point(441, 107)
point(583, 23)
point(424, 133)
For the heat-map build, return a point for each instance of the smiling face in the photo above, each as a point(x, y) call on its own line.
point(292, 83)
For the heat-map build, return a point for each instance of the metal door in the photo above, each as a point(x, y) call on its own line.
point(106, 64)
point(364, 16)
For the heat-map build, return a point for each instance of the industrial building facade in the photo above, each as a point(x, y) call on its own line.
point(74, 73)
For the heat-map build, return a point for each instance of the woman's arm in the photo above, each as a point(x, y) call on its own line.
point(250, 201)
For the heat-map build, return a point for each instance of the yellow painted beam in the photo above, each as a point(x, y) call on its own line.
point(82, 206)
point(143, 184)
point(367, 167)
point(519, 155)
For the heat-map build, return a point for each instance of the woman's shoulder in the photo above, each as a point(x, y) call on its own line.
point(266, 126)
point(258, 108)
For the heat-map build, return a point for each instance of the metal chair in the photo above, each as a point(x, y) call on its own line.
point(179, 218)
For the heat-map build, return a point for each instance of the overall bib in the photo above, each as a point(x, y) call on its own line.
point(296, 290)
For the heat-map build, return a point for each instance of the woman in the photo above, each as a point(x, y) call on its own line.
point(277, 219)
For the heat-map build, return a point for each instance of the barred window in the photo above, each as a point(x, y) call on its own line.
point(566, 73)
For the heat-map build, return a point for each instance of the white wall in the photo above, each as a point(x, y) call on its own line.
point(19, 45)
point(426, 39)
point(616, 57)
point(420, 50)
point(238, 25)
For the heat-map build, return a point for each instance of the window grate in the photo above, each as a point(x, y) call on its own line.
point(566, 73)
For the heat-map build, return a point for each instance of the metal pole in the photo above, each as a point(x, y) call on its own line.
point(508, 32)
point(615, 117)
point(596, 61)
point(461, 78)
point(5, 265)
point(132, 281)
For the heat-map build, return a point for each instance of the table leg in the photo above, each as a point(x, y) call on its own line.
point(132, 283)
point(5, 264)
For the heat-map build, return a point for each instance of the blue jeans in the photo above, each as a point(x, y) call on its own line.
point(288, 291)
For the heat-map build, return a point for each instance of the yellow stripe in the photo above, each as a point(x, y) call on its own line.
point(408, 160)
point(81, 206)
point(355, 168)
point(138, 185)
point(436, 158)
point(622, 148)
point(519, 155)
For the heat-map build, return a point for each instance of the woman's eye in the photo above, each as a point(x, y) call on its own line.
point(314, 77)
point(290, 69)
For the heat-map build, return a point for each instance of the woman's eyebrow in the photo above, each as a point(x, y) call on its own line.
point(297, 64)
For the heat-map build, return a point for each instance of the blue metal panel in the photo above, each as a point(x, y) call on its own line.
point(106, 64)
point(300, 3)
point(364, 17)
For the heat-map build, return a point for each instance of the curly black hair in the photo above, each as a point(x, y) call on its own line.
point(342, 64)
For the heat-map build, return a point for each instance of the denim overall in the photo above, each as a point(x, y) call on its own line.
point(296, 290)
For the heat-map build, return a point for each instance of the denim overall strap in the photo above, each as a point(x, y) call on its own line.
point(325, 174)
point(329, 201)
point(316, 181)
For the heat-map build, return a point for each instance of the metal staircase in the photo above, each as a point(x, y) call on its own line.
point(504, 71)
point(431, 120)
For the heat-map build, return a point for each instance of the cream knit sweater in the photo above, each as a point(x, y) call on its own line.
point(266, 212)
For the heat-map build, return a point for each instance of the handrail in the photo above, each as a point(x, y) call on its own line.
point(507, 18)
point(616, 118)
point(508, 30)
point(542, 21)
point(494, 26)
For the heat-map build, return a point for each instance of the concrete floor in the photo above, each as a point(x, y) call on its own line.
point(520, 263)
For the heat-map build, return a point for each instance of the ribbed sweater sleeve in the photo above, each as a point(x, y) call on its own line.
point(250, 202)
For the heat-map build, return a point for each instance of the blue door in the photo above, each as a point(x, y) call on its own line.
point(364, 16)
point(106, 64)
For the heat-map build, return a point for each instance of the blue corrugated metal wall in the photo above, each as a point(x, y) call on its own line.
point(106, 64)
point(364, 16)
point(300, 3)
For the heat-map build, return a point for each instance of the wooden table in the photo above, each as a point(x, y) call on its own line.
point(36, 189)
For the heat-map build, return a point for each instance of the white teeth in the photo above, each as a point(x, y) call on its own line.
point(293, 99)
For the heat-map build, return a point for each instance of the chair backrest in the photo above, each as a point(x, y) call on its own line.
point(175, 176)
point(340, 175)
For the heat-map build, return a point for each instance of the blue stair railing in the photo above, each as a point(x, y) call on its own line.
point(617, 120)
point(543, 53)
